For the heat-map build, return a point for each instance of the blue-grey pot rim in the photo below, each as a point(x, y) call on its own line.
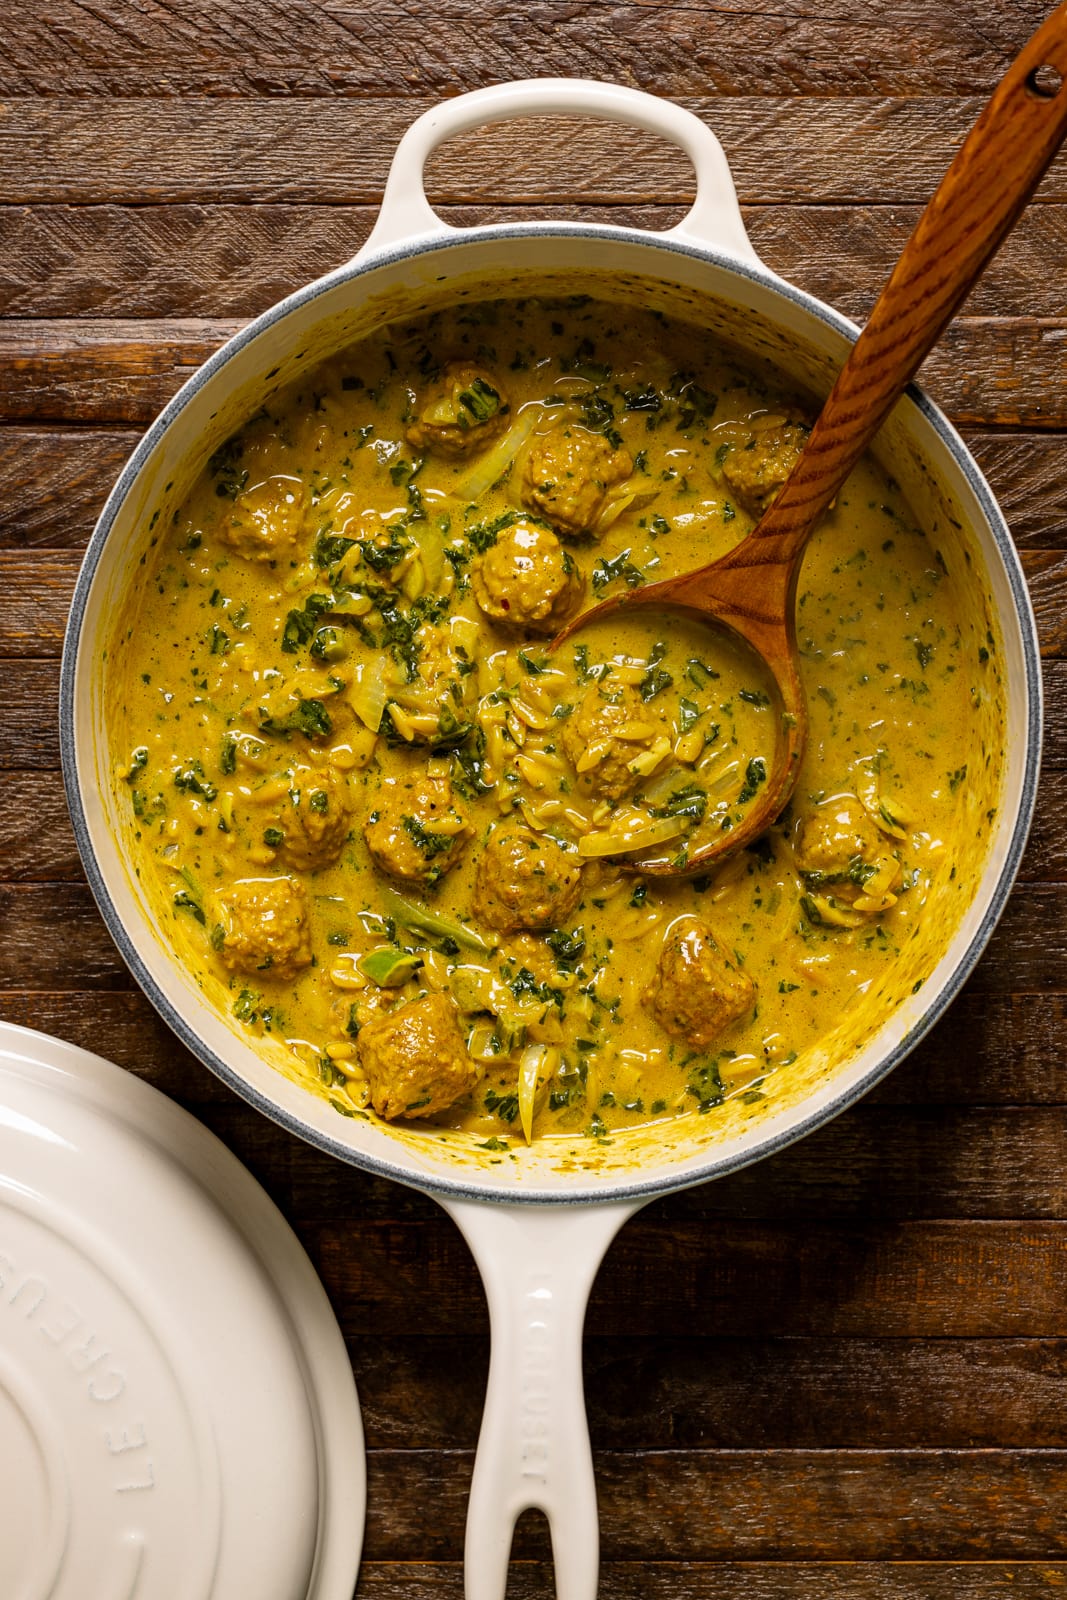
point(609, 1191)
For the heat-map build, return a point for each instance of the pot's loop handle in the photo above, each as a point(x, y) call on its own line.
point(714, 218)
point(538, 1265)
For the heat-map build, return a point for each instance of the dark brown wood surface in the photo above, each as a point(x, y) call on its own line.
point(842, 1374)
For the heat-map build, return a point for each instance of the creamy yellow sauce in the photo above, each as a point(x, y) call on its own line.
point(343, 739)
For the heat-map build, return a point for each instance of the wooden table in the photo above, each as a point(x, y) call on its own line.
point(840, 1375)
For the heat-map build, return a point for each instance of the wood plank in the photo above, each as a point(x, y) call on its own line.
point(54, 480)
point(750, 1505)
point(1011, 372)
point(725, 1393)
point(100, 371)
point(37, 842)
point(781, 150)
point(750, 1580)
point(235, 260)
point(344, 49)
point(989, 1050)
point(668, 1275)
point(876, 1164)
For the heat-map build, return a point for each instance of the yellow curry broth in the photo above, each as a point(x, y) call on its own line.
point(322, 621)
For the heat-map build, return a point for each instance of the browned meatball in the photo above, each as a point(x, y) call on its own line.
point(415, 1059)
point(758, 464)
point(568, 476)
point(525, 880)
point(266, 521)
point(697, 992)
point(610, 727)
point(831, 838)
point(463, 411)
point(526, 579)
point(264, 924)
point(416, 831)
point(310, 824)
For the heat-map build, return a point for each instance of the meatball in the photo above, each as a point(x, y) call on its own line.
point(568, 476)
point(266, 522)
point(464, 411)
point(525, 880)
point(264, 924)
point(415, 1059)
point(526, 579)
point(310, 825)
point(416, 832)
point(610, 727)
point(832, 837)
point(697, 992)
point(757, 466)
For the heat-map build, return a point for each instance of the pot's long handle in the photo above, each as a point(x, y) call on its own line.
point(538, 1265)
point(714, 218)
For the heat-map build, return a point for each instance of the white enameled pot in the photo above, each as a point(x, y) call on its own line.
point(538, 1225)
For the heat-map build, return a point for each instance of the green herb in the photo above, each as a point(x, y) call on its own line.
point(138, 762)
point(754, 697)
point(505, 1106)
point(300, 625)
point(383, 556)
point(689, 714)
point(567, 947)
point(755, 774)
point(273, 837)
point(607, 571)
point(698, 674)
point(705, 1085)
point(184, 901)
point(191, 780)
point(224, 467)
point(480, 399)
point(244, 1007)
point(957, 777)
point(329, 549)
point(692, 801)
point(640, 894)
point(310, 718)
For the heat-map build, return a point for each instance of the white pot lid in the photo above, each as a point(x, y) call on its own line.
point(177, 1410)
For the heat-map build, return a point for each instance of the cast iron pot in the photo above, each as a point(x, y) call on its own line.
point(538, 1227)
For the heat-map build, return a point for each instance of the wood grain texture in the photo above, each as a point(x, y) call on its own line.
point(752, 1580)
point(848, 150)
point(235, 260)
point(837, 1375)
point(340, 48)
point(759, 1505)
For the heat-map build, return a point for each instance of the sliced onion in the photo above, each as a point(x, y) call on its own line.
point(616, 844)
point(493, 465)
point(369, 694)
point(631, 500)
point(536, 1064)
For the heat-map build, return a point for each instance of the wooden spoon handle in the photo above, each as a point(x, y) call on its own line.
point(977, 202)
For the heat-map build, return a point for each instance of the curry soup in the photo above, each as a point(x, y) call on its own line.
point(380, 821)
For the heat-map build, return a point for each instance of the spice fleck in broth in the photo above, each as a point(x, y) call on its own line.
point(383, 824)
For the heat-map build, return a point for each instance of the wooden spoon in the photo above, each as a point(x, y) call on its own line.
point(753, 588)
